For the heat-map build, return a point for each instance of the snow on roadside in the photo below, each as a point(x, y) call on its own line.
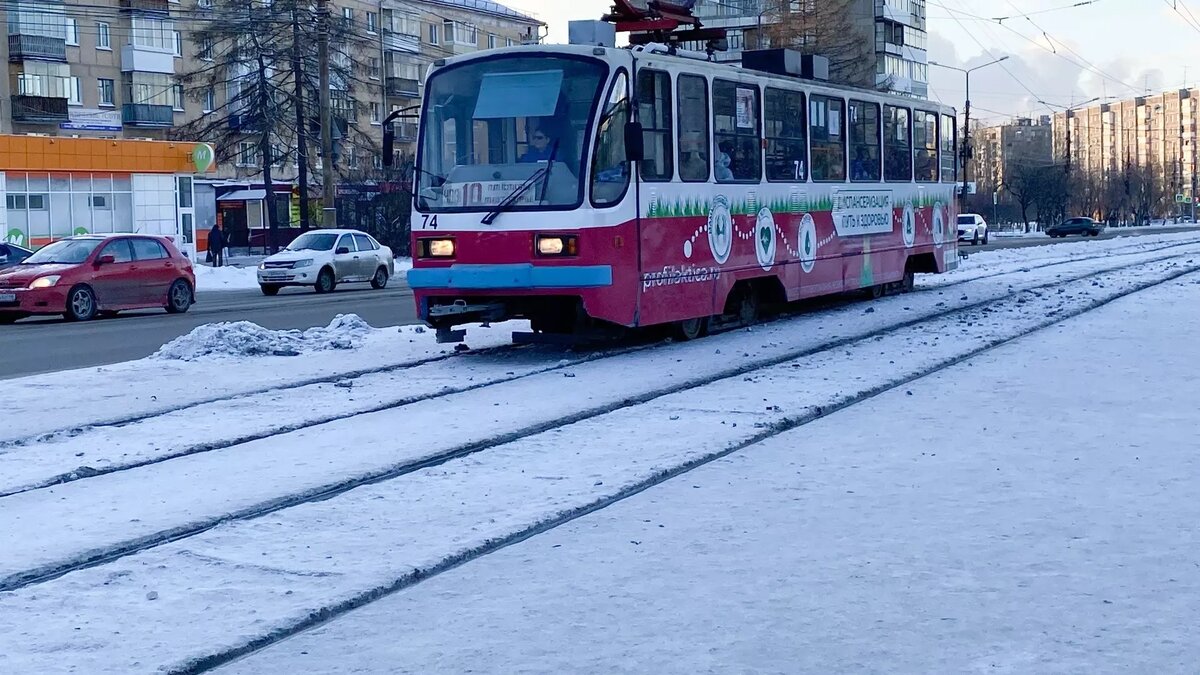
point(243, 338)
point(285, 565)
point(894, 536)
point(227, 278)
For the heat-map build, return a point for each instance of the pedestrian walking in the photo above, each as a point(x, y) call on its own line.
point(216, 245)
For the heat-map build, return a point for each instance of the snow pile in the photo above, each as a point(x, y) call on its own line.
point(243, 338)
point(225, 278)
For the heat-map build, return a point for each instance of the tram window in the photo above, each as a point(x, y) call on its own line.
point(864, 141)
point(897, 144)
point(654, 112)
point(787, 151)
point(925, 147)
point(610, 169)
point(949, 155)
point(827, 124)
point(736, 130)
point(693, 128)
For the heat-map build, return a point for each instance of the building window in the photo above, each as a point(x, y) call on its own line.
point(103, 37)
point(693, 129)
point(925, 161)
point(73, 32)
point(76, 92)
point(178, 41)
point(508, 42)
point(448, 31)
point(736, 130)
point(434, 35)
point(491, 41)
point(373, 68)
point(376, 113)
point(787, 146)
point(897, 144)
point(372, 22)
point(864, 141)
point(177, 95)
point(347, 17)
point(210, 100)
point(206, 49)
point(247, 153)
point(655, 114)
point(106, 88)
point(826, 124)
point(152, 33)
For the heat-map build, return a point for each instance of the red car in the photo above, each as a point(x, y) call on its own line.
point(84, 276)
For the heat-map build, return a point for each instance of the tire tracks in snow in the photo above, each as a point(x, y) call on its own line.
point(96, 557)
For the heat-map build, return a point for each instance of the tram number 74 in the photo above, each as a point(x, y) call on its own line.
point(428, 222)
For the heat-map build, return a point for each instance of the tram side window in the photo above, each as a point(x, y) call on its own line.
point(736, 129)
point(654, 112)
point(897, 144)
point(949, 155)
point(864, 141)
point(787, 148)
point(693, 129)
point(925, 144)
point(610, 169)
point(827, 124)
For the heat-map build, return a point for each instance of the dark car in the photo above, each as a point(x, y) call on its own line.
point(80, 277)
point(1084, 226)
point(11, 254)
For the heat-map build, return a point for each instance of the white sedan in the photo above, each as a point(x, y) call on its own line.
point(325, 258)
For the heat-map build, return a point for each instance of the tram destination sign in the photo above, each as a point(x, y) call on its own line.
point(861, 212)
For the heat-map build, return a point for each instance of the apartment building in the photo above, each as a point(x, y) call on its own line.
point(892, 34)
point(1156, 132)
point(1002, 149)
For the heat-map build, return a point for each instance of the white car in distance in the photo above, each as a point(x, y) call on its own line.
point(325, 258)
point(973, 228)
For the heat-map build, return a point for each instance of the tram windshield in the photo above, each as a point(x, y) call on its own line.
point(490, 126)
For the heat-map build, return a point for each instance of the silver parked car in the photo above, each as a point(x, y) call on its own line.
point(325, 258)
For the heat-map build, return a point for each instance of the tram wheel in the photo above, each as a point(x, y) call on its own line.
point(692, 329)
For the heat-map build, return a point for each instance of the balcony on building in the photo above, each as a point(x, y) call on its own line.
point(395, 41)
point(406, 132)
point(36, 47)
point(39, 109)
point(403, 87)
point(246, 121)
point(146, 115)
point(135, 58)
point(147, 6)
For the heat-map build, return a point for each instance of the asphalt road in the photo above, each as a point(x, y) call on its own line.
point(1111, 233)
point(51, 344)
point(46, 345)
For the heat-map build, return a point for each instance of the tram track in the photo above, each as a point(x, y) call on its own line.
point(105, 554)
point(349, 380)
point(324, 615)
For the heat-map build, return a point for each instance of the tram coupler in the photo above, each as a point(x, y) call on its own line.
point(447, 336)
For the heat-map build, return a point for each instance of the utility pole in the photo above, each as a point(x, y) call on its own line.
point(301, 121)
point(966, 146)
point(329, 208)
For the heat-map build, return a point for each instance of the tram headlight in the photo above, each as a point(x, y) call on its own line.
point(437, 248)
point(557, 244)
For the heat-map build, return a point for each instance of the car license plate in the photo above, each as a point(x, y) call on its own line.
point(8, 297)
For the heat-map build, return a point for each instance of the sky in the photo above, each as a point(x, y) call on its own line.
point(1058, 53)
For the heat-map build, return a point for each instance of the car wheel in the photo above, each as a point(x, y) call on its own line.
point(269, 289)
point(325, 281)
point(975, 238)
point(179, 297)
point(380, 280)
point(81, 304)
point(986, 235)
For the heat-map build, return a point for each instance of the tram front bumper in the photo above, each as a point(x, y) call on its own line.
point(519, 276)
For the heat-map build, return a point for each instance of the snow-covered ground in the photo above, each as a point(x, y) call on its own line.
point(231, 278)
point(1041, 522)
point(208, 520)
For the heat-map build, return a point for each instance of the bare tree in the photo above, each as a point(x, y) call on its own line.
point(1022, 182)
point(827, 28)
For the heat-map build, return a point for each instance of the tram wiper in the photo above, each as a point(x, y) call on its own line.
point(542, 173)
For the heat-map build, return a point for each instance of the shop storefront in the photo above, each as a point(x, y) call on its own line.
point(57, 187)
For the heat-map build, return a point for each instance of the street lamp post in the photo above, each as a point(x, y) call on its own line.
point(966, 148)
